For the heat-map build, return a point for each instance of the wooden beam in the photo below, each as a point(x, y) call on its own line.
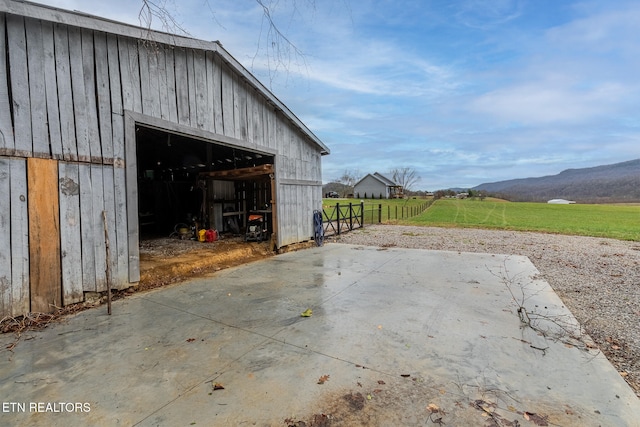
point(241, 173)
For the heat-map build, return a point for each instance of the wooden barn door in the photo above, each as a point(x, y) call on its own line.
point(44, 235)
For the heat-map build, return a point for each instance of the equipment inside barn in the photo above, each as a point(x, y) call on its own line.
point(255, 228)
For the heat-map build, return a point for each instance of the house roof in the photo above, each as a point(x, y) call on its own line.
point(97, 23)
point(379, 177)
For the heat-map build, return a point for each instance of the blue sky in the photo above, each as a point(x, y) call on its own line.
point(464, 92)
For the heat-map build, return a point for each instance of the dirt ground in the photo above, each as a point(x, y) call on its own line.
point(165, 260)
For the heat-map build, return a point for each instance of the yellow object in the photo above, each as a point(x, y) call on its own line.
point(307, 313)
point(201, 237)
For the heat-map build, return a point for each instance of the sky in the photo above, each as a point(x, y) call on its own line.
point(464, 92)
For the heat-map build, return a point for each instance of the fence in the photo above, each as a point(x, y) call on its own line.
point(342, 218)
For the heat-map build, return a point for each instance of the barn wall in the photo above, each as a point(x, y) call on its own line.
point(66, 98)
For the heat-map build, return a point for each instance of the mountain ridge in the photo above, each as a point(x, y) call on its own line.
point(617, 182)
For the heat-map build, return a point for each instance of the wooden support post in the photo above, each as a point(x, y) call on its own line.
point(108, 269)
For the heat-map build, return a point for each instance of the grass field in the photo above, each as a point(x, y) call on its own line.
point(614, 221)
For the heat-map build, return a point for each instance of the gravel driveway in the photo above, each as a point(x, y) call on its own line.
point(598, 279)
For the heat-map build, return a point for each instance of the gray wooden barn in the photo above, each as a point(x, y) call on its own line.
point(108, 126)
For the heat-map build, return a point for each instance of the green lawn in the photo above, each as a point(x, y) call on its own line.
point(614, 221)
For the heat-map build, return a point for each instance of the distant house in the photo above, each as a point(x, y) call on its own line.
point(560, 202)
point(377, 186)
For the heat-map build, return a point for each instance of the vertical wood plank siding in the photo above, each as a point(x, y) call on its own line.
point(71, 249)
point(6, 125)
point(64, 93)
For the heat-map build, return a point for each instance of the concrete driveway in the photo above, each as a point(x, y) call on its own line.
point(397, 337)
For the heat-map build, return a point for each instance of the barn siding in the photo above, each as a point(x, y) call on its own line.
point(70, 246)
point(66, 99)
point(14, 263)
point(6, 125)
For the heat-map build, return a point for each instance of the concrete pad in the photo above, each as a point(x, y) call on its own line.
point(397, 337)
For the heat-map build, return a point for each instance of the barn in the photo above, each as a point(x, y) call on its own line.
point(110, 133)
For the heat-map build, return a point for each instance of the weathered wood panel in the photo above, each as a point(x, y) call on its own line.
point(109, 207)
point(37, 98)
point(103, 91)
point(97, 227)
point(132, 67)
point(256, 128)
point(171, 85)
point(191, 88)
point(86, 229)
point(6, 296)
point(88, 65)
point(78, 94)
point(182, 86)
point(250, 113)
point(6, 126)
point(125, 74)
point(237, 105)
point(121, 277)
point(14, 239)
point(217, 94)
point(227, 100)
point(210, 124)
point(17, 45)
point(70, 236)
point(200, 91)
point(145, 90)
point(65, 93)
point(20, 282)
point(149, 83)
point(44, 235)
point(51, 91)
point(163, 90)
point(270, 122)
point(115, 90)
point(133, 237)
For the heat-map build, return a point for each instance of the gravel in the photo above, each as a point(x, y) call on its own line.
point(598, 279)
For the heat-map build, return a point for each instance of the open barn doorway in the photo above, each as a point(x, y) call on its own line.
point(190, 188)
point(185, 182)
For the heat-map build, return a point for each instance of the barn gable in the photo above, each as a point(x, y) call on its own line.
point(99, 118)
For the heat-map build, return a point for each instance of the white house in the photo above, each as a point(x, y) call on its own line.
point(377, 186)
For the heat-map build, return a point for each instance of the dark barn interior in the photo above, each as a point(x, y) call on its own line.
point(193, 184)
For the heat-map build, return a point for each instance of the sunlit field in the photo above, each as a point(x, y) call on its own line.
point(614, 221)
